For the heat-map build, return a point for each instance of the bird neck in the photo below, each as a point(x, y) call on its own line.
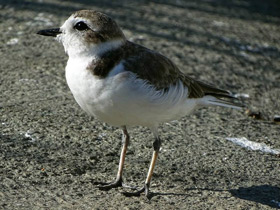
point(95, 50)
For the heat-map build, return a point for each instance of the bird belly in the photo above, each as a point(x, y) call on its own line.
point(123, 99)
point(138, 103)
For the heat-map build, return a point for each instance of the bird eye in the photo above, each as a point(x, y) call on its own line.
point(81, 26)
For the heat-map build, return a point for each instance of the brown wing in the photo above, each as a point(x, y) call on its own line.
point(161, 72)
point(152, 67)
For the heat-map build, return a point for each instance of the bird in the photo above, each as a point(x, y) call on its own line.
point(126, 84)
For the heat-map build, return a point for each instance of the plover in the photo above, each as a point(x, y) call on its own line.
point(125, 84)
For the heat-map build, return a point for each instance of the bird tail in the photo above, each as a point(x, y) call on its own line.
point(209, 100)
point(217, 97)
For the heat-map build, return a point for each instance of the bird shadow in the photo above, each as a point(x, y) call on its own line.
point(188, 193)
point(264, 194)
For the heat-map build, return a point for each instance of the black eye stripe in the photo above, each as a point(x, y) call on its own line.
point(81, 26)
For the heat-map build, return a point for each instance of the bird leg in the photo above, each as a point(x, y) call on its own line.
point(146, 187)
point(118, 182)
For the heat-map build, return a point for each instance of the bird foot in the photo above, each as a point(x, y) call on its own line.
point(139, 191)
point(115, 184)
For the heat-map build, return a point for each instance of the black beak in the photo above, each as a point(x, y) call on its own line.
point(50, 32)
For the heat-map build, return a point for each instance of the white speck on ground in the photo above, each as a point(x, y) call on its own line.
point(27, 135)
point(218, 23)
point(251, 145)
point(13, 41)
point(241, 95)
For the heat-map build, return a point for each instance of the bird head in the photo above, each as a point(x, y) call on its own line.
point(87, 32)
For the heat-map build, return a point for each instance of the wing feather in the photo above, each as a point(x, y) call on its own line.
point(154, 68)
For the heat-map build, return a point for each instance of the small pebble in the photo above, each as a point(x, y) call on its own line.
point(255, 115)
point(276, 119)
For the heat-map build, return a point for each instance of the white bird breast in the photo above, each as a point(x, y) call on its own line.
point(123, 99)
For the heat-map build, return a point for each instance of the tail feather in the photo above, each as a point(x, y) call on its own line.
point(213, 101)
point(213, 91)
point(209, 95)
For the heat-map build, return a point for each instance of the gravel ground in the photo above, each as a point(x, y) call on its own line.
point(52, 153)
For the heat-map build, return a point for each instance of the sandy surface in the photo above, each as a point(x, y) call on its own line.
point(52, 153)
